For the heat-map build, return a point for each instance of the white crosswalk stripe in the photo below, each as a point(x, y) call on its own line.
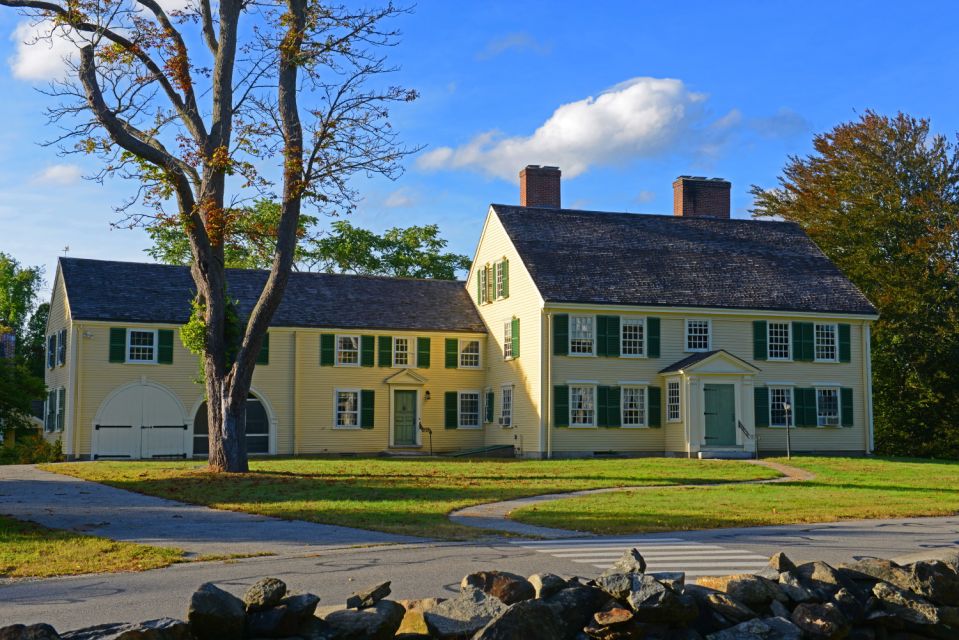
point(661, 554)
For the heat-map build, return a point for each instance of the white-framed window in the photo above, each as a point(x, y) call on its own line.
point(489, 283)
point(508, 339)
point(347, 351)
point(632, 337)
point(697, 335)
point(346, 403)
point(672, 401)
point(779, 397)
point(498, 269)
point(482, 274)
point(633, 404)
point(779, 341)
point(401, 352)
point(469, 410)
point(582, 406)
point(582, 335)
point(469, 354)
point(827, 349)
point(827, 406)
point(51, 351)
point(62, 347)
point(506, 406)
point(142, 345)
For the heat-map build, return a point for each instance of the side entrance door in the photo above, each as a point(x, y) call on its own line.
point(720, 412)
point(404, 418)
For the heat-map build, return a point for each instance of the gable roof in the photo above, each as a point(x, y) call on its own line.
point(636, 259)
point(156, 293)
point(697, 358)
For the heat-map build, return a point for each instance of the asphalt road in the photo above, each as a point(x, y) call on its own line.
point(419, 570)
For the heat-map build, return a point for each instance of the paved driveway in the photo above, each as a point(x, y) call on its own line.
point(63, 502)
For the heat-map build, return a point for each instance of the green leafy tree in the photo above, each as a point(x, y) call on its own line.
point(18, 388)
point(34, 344)
point(19, 287)
point(880, 196)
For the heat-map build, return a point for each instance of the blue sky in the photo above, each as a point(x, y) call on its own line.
point(623, 96)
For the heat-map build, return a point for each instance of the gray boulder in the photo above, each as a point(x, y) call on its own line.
point(215, 614)
point(285, 619)
point(368, 597)
point(780, 562)
point(160, 629)
point(28, 632)
point(575, 607)
point(653, 601)
point(264, 593)
point(793, 588)
point(674, 580)
point(820, 621)
point(614, 624)
point(546, 584)
point(617, 585)
point(936, 581)
point(779, 610)
point(760, 629)
point(464, 615)
point(526, 619)
point(378, 622)
point(508, 587)
point(905, 604)
point(632, 561)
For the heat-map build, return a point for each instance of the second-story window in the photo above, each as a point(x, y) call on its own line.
point(348, 351)
point(633, 337)
point(826, 349)
point(778, 341)
point(401, 352)
point(581, 335)
point(141, 345)
point(469, 354)
point(508, 339)
point(697, 335)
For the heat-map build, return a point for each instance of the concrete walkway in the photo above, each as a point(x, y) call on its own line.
point(62, 502)
point(495, 515)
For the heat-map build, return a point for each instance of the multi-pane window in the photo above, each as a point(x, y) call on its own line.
point(826, 349)
point(633, 337)
point(506, 406)
point(827, 407)
point(469, 409)
point(779, 398)
point(62, 347)
point(348, 351)
point(141, 346)
point(469, 354)
point(500, 290)
point(672, 401)
point(508, 339)
point(401, 352)
point(490, 284)
point(347, 408)
point(482, 275)
point(634, 406)
point(61, 408)
point(697, 335)
point(51, 351)
point(582, 406)
point(581, 335)
point(779, 341)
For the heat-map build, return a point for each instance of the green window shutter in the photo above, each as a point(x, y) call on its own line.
point(807, 416)
point(386, 351)
point(327, 349)
point(451, 399)
point(561, 405)
point(61, 407)
point(489, 406)
point(846, 406)
point(803, 342)
point(797, 416)
point(652, 337)
point(761, 401)
point(367, 404)
point(118, 344)
point(514, 336)
point(165, 346)
point(759, 340)
point(602, 406)
point(655, 406)
point(367, 351)
point(560, 334)
point(423, 352)
point(612, 336)
point(797, 341)
point(263, 357)
point(505, 269)
point(600, 338)
point(452, 353)
point(845, 344)
point(613, 413)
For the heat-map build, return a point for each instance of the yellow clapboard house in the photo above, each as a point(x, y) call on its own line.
point(577, 333)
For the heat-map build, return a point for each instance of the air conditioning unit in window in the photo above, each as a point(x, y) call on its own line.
point(504, 422)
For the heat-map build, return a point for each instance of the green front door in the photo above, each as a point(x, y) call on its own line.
point(404, 418)
point(720, 414)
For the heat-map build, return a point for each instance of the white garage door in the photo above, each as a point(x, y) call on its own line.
point(142, 421)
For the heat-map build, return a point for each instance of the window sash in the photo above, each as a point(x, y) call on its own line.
point(697, 335)
point(506, 405)
point(582, 335)
point(673, 413)
point(469, 357)
point(827, 407)
point(348, 351)
point(582, 406)
point(141, 345)
point(508, 339)
point(779, 341)
point(469, 409)
point(777, 411)
point(633, 403)
point(401, 352)
point(347, 409)
point(632, 337)
point(499, 279)
point(826, 343)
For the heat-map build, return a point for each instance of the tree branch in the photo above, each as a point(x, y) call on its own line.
point(206, 19)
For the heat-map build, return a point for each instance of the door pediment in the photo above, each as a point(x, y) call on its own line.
point(406, 377)
point(712, 362)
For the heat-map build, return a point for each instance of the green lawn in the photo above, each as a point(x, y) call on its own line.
point(844, 489)
point(397, 496)
point(28, 550)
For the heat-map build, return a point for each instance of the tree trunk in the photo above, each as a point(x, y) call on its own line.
point(226, 427)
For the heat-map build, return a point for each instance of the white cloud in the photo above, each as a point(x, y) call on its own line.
point(401, 198)
point(37, 57)
point(518, 41)
point(58, 174)
point(642, 117)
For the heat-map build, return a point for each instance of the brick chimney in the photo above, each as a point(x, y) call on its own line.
point(699, 197)
point(539, 187)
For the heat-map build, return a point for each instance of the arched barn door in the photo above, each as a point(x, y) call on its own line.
point(257, 428)
point(141, 421)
